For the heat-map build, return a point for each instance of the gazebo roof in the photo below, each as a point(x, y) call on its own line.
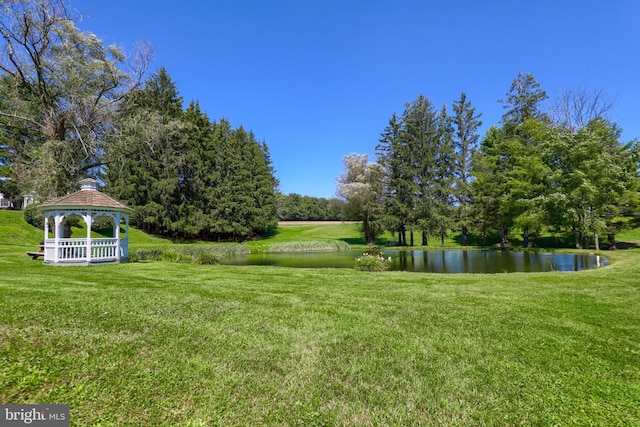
point(87, 197)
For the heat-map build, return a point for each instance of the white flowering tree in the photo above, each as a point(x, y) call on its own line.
point(360, 187)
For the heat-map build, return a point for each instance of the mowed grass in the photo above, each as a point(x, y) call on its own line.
point(310, 232)
point(180, 344)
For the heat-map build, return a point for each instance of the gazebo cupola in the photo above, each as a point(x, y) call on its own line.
point(88, 204)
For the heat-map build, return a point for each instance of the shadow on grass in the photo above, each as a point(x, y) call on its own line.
point(625, 245)
point(381, 241)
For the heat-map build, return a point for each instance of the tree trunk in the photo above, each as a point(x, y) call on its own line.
point(503, 237)
point(425, 238)
point(411, 236)
point(525, 238)
point(596, 242)
point(576, 238)
point(612, 241)
point(442, 236)
point(463, 241)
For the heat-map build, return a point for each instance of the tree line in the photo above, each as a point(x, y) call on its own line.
point(561, 170)
point(71, 108)
point(296, 207)
point(187, 175)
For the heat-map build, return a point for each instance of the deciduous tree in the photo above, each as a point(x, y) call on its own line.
point(361, 187)
point(59, 89)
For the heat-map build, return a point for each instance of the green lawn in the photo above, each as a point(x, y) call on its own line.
point(181, 344)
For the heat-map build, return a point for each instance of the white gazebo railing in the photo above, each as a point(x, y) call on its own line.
point(75, 250)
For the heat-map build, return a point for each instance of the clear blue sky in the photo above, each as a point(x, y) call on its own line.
point(320, 79)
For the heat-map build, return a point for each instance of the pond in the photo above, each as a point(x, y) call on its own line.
point(433, 261)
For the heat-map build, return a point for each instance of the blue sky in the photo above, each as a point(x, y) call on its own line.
point(318, 80)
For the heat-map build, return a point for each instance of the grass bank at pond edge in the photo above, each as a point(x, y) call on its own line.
point(181, 344)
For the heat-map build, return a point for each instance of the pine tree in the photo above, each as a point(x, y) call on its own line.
point(147, 152)
point(524, 100)
point(444, 183)
point(394, 158)
point(198, 174)
point(420, 133)
point(466, 123)
point(490, 187)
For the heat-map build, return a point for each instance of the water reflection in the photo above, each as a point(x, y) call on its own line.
point(434, 261)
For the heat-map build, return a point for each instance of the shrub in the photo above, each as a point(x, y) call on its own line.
point(372, 262)
point(133, 256)
point(32, 215)
point(103, 225)
point(203, 255)
point(173, 256)
point(206, 259)
point(148, 255)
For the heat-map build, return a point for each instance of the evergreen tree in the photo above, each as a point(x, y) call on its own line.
point(420, 133)
point(490, 187)
point(416, 153)
point(444, 183)
point(245, 192)
point(147, 153)
point(399, 186)
point(524, 100)
point(466, 123)
point(197, 175)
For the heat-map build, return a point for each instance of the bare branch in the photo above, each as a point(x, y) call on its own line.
point(575, 108)
point(20, 118)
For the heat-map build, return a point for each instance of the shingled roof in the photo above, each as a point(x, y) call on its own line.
point(88, 196)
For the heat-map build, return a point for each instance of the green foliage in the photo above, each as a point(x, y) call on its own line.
point(33, 216)
point(310, 246)
point(524, 100)
point(360, 186)
point(417, 153)
point(186, 176)
point(466, 123)
point(295, 207)
point(206, 258)
point(61, 86)
point(372, 262)
point(175, 256)
point(528, 176)
point(194, 254)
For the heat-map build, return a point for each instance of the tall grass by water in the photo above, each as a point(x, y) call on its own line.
point(181, 344)
point(310, 246)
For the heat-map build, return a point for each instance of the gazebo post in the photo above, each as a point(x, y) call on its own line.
point(57, 233)
point(116, 233)
point(125, 249)
point(88, 220)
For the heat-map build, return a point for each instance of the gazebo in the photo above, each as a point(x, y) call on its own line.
point(88, 204)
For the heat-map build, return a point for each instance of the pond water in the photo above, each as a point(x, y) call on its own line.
point(433, 261)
